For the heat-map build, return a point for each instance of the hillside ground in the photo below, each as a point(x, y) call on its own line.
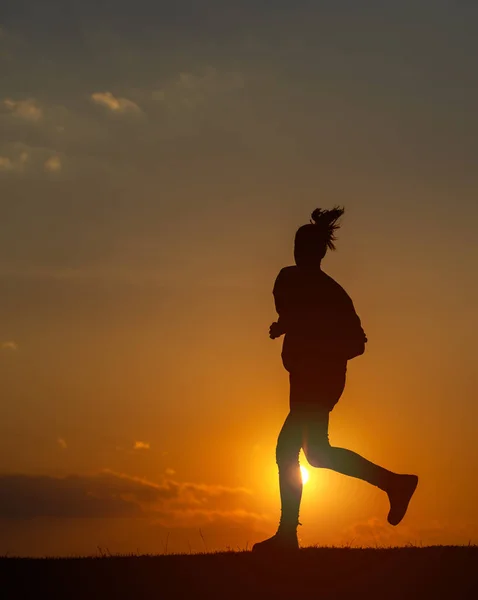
point(330, 573)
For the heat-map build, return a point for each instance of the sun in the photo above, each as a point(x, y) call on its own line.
point(304, 474)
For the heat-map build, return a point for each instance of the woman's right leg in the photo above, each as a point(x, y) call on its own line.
point(317, 395)
point(319, 453)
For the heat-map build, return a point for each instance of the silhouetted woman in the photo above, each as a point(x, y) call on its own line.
point(322, 332)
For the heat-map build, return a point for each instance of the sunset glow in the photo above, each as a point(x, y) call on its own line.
point(156, 160)
point(305, 474)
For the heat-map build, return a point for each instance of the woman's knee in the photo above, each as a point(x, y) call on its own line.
point(286, 454)
point(319, 455)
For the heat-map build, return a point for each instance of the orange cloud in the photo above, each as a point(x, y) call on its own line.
point(53, 164)
point(116, 495)
point(17, 164)
point(10, 345)
point(141, 446)
point(24, 109)
point(197, 517)
point(376, 533)
point(114, 104)
point(6, 164)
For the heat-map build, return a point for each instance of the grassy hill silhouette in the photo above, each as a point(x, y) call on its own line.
point(331, 573)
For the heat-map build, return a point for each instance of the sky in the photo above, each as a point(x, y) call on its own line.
point(156, 160)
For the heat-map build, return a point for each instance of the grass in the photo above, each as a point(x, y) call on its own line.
point(440, 572)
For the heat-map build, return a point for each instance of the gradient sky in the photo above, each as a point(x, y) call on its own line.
point(155, 161)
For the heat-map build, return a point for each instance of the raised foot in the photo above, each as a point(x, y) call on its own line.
point(400, 493)
point(278, 543)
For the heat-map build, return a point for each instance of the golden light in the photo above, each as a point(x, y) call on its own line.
point(304, 474)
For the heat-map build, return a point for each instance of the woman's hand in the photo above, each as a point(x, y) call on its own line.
point(275, 331)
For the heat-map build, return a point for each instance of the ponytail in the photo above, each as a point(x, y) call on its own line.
point(326, 223)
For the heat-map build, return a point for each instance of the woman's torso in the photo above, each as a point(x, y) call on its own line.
point(315, 311)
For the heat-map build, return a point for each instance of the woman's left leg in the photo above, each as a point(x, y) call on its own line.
point(288, 448)
point(290, 485)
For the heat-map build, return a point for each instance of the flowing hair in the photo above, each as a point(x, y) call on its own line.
point(326, 223)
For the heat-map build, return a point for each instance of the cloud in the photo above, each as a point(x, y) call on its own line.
point(62, 443)
point(52, 164)
point(375, 532)
point(185, 104)
point(24, 109)
point(75, 496)
point(15, 163)
point(10, 345)
point(170, 472)
point(116, 495)
point(114, 104)
point(22, 159)
point(6, 163)
point(141, 446)
point(197, 517)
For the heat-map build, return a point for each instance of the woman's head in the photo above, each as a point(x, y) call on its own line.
point(313, 239)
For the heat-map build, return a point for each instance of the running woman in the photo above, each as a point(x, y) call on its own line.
point(322, 332)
